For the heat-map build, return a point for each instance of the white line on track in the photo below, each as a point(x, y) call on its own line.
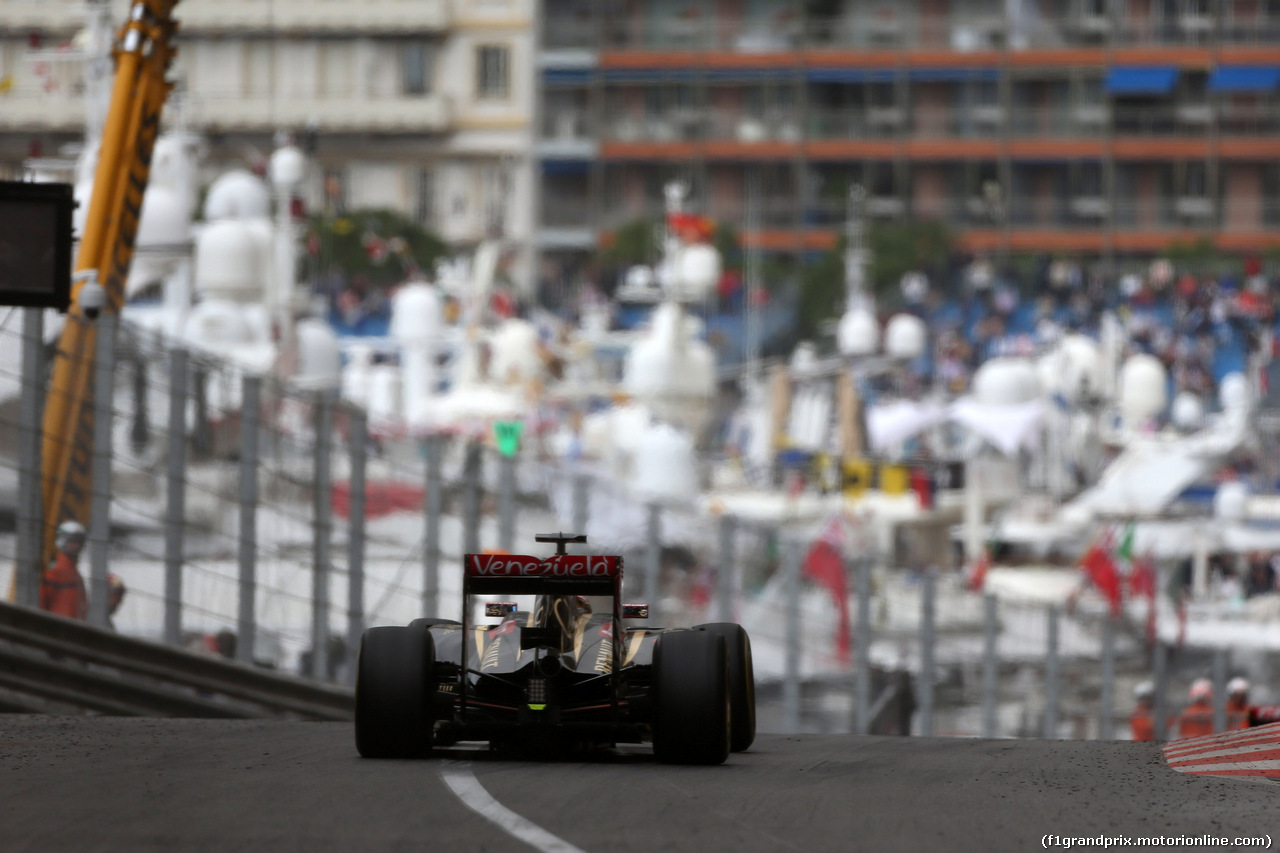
point(458, 776)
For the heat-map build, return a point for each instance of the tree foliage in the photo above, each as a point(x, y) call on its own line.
point(382, 246)
point(1196, 256)
point(898, 248)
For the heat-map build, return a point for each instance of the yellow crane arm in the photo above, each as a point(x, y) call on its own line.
point(144, 51)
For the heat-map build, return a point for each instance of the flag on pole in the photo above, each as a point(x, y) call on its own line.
point(1100, 568)
point(976, 579)
point(1124, 551)
point(824, 565)
point(1142, 583)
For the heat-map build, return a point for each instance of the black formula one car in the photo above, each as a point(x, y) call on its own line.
point(557, 676)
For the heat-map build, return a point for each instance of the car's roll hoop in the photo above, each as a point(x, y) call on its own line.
point(561, 540)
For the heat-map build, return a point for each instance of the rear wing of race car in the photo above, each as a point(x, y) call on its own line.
point(560, 574)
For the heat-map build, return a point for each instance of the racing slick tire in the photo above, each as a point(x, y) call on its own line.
point(429, 621)
point(395, 685)
point(691, 708)
point(742, 682)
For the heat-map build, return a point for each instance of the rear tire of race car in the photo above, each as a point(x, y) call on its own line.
point(691, 708)
point(742, 682)
point(429, 621)
point(395, 684)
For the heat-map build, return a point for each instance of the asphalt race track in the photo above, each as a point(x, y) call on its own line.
point(75, 783)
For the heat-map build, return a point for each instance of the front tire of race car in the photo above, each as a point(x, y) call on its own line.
point(742, 682)
point(394, 688)
point(691, 708)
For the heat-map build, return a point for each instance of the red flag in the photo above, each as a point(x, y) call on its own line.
point(1101, 570)
point(977, 578)
point(824, 565)
point(1142, 582)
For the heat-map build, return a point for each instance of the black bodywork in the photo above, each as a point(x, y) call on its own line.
point(559, 674)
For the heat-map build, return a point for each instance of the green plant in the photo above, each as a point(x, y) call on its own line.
point(383, 246)
point(900, 247)
point(1194, 256)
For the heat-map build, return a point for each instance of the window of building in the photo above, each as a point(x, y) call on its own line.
point(424, 198)
point(493, 72)
point(1195, 180)
point(417, 67)
point(882, 178)
point(335, 191)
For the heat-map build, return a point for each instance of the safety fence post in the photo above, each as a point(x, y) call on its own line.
point(990, 664)
point(1160, 706)
point(1221, 666)
point(434, 448)
point(725, 576)
point(30, 505)
point(928, 637)
point(472, 491)
point(507, 503)
point(791, 674)
point(322, 519)
point(250, 419)
point(358, 450)
point(653, 560)
point(1107, 722)
point(100, 513)
point(581, 501)
point(1051, 675)
point(862, 664)
point(175, 495)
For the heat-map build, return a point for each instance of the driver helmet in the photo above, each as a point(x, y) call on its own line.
point(68, 531)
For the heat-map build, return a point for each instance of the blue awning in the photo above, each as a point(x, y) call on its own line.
point(748, 75)
point(565, 167)
point(1142, 79)
point(1245, 78)
point(567, 76)
point(852, 75)
point(648, 75)
point(953, 75)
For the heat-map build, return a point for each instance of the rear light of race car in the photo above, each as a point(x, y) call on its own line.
point(536, 693)
point(500, 609)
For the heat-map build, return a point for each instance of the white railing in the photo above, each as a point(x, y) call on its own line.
point(206, 16)
point(338, 16)
point(31, 111)
point(430, 113)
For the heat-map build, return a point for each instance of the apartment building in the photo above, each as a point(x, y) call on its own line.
point(416, 105)
point(1099, 128)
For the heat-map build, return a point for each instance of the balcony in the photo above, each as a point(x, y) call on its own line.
point(567, 132)
point(752, 127)
point(31, 111)
point(337, 17)
point(566, 220)
point(52, 15)
point(901, 29)
point(424, 114)
point(571, 34)
point(1258, 119)
point(701, 32)
point(1082, 121)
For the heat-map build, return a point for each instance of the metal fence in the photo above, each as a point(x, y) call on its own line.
point(268, 522)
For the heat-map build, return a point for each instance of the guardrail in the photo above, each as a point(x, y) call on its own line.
point(48, 663)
